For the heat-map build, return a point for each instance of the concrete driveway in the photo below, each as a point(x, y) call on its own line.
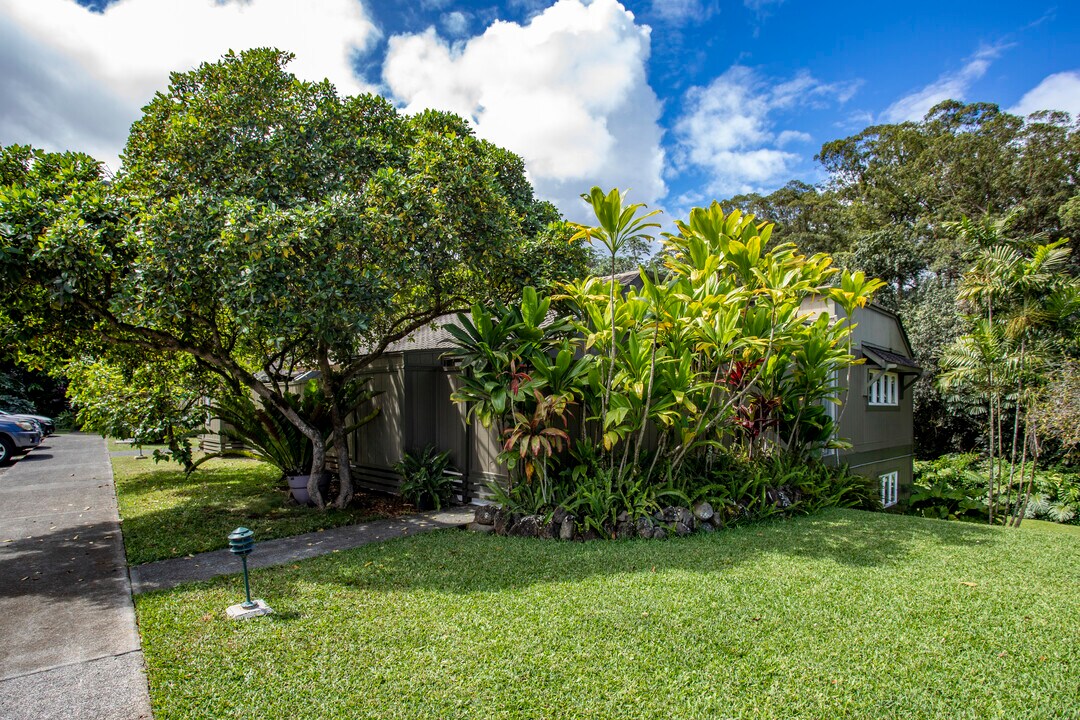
point(70, 646)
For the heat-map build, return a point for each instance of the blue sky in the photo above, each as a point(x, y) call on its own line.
point(681, 100)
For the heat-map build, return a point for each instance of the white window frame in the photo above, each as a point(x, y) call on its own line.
point(890, 485)
point(885, 390)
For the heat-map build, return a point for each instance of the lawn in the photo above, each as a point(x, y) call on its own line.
point(166, 514)
point(844, 614)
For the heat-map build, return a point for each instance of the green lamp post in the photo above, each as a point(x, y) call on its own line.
point(242, 542)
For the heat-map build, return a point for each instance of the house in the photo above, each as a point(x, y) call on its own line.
point(416, 410)
point(877, 416)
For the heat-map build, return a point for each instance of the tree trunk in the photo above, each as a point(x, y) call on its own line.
point(318, 445)
point(1023, 467)
point(1031, 480)
point(341, 443)
point(1016, 433)
point(990, 502)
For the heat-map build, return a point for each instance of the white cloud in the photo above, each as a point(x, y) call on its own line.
point(455, 23)
point(949, 86)
point(727, 129)
point(680, 11)
point(1060, 91)
point(759, 5)
point(567, 91)
point(786, 137)
point(75, 79)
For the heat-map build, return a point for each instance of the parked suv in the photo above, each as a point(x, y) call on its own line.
point(17, 437)
point(48, 427)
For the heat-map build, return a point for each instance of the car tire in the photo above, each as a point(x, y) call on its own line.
point(7, 450)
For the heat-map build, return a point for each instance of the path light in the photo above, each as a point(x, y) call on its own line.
point(242, 542)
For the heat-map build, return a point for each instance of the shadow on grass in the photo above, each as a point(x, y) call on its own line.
point(457, 563)
point(168, 514)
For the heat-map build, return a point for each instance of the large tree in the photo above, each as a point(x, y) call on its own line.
point(260, 221)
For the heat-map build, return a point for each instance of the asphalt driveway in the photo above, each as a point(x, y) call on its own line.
point(70, 645)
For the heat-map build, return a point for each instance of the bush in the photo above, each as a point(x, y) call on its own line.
point(738, 489)
point(954, 487)
point(424, 478)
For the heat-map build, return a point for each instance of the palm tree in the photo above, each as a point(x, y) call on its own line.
point(978, 362)
point(1018, 296)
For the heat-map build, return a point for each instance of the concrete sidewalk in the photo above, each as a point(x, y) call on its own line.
point(170, 573)
point(70, 646)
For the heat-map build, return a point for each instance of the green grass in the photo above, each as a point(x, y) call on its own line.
point(1048, 526)
point(166, 514)
point(843, 614)
point(114, 445)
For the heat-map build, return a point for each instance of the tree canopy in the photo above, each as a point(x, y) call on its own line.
point(260, 221)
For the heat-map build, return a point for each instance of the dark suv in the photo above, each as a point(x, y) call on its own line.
point(17, 437)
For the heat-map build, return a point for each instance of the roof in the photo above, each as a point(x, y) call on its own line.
point(429, 337)
point(886, 358)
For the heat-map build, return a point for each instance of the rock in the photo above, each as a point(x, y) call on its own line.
point(559, 515)
point(624, 516)
point(669, 514)
point(480, 528)
point(658, 516)
point(703, 511)
point(717, 521)
point(659, 533)
point(566, 528)
point(706, 527)
point(550, 530)
point(589, 534)
point(527, 526)
point(779, 496)
point(682, 529)
point(485, 515)
point(503, 520)
point(625, 530)
point(685, 517)
point(644, 527)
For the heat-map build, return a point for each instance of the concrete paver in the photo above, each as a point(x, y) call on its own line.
point(70, 647)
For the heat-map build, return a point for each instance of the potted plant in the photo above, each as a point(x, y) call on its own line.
point(424, 481)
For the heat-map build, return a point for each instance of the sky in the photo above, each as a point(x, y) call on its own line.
point(679, 101)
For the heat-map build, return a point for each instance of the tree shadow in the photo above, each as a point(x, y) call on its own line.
point(459, 564)
point(168, 515)
point(63, 564)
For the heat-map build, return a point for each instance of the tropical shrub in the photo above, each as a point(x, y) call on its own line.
point(954, 487)
point(424, 478)
point(668, 376)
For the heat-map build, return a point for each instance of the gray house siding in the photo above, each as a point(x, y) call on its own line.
point(882, 436)
point(416, 411)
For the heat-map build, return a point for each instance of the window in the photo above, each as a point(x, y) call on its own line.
point(889, 483)
point(883, 390)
